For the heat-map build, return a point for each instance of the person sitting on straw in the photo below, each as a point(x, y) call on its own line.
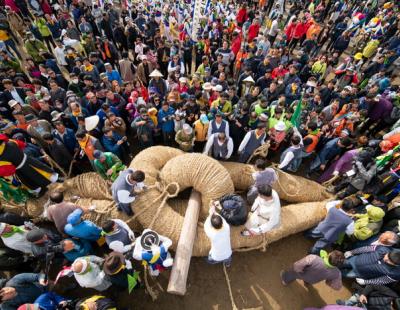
point(265, 212)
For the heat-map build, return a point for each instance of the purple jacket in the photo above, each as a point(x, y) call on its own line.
point(380, 110)
point(343, 164)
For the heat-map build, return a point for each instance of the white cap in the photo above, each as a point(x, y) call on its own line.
point(218, 88)
point(12, 103)
point(187, 129)
point(207, 86)
point(91, 122)
point(280, 126)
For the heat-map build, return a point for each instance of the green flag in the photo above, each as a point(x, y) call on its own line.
point(132, 281)
point(295, 120)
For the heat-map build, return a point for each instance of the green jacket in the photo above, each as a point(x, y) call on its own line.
point(111, 162)
point(180, 138)
point(42, 26)
point(368, 224)
point(34, 48)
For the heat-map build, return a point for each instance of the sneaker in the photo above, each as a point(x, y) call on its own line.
point(281, 275)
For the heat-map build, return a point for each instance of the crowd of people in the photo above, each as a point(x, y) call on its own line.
point(85, 86)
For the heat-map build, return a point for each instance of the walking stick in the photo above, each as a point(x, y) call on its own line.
point(72, 163)
point(54, 164)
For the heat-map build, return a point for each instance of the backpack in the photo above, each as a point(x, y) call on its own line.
point(234, 209)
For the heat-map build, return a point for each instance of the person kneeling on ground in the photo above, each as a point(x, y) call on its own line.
point(265, 212)
point(218, 231)
point(336, 222)
point(313, 269)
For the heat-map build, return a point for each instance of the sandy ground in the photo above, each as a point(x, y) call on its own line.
point(255, 283)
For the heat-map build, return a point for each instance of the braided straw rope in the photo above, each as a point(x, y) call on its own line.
point(290, 188)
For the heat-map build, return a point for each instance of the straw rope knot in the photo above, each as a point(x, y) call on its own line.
point(167, 191)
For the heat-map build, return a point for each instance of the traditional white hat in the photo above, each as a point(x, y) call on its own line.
point(280, 126)
point(249, 79)
point(187, 129)
point(218, 88)
point(91, 122)
point(156, 73)
point(12, 103)
point(2, 227)
point(207, 86)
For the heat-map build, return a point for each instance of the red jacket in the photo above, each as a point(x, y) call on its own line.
point(289, 31)
point(241, 16)
point(235, 47)
point(299, 30)
point(253, 32)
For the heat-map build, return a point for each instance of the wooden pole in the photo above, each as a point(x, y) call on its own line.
point(180, 269)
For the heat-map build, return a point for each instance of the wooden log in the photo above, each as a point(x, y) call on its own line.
point(180, 268)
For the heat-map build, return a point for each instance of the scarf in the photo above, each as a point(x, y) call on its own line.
point(83, 143)
point(89, 68)
point(15, 229)
point(76, 113)
point(315, 132)
point(325, 257)
point(107, 50)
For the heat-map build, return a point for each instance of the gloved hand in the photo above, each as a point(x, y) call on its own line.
point(348, 254)
point(360, 281)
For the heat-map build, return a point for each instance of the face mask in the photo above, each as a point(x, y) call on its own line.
point(75, 81)
point(280, 82)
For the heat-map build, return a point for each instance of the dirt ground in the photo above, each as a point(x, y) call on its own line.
point(255, 284)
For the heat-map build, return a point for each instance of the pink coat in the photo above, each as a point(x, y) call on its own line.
point(12, 5)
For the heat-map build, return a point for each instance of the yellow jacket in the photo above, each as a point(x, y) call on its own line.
point(4, 35)
point(200, 131)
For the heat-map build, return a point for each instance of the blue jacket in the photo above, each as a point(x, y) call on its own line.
point(81, 248)
point(114, 76)
point(102, 115)
point(51, 63)
point(55, 29)
point(27, 287)
point(370, 265)
point(329, 151)
point(341, 43)
point(81, 229)
point(110, 144)
point(68, 139)
point(166, 125)
point(290, 95)
point(49, 301)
